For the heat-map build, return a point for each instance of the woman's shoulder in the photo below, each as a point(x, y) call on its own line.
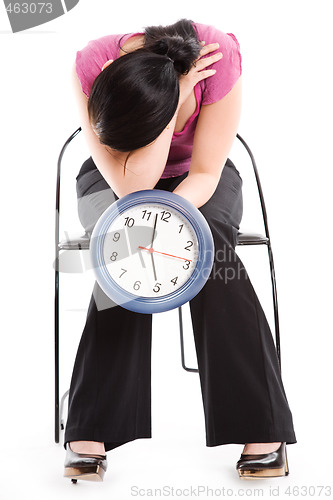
point(211, 34)
point(229, 68)
point(91, 58)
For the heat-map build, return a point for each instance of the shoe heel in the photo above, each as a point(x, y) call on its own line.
point(286, 467)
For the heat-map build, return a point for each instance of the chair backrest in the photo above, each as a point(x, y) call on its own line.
point(257, 182)
point(73, 153)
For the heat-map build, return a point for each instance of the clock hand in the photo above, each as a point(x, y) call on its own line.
point(153, 263)
point(154, 231)
point(151, 245)
point(151, 250)
point(152, 260)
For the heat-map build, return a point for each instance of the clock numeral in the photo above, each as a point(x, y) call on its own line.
point(145, 212)
point(181, 227)
point(174, 280)
point(124, 271)
point(137, 285)
point(190, 244)
point(157, 287)
point(129, 222)
point(116, 237)
point(187, 264)
point(114, 256)
point(165, 216)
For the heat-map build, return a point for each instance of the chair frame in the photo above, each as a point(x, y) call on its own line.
point(83, 244)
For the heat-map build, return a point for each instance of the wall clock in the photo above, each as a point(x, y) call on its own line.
point(152, 251)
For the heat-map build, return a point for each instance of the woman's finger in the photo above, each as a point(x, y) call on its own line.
point(105, 65)
point(206, 49)
point(204, 74)
point(203, 62)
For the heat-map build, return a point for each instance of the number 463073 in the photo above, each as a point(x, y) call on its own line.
point(29, 8)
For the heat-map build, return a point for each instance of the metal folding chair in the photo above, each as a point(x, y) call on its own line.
point(82, 243)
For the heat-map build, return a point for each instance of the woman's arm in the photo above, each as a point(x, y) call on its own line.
point(144, 166)
point(214, 135)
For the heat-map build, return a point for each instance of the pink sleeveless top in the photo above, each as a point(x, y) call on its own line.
point(90, 60)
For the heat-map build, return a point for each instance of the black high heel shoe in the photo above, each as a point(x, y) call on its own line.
point(82, 466)
point(272, 464)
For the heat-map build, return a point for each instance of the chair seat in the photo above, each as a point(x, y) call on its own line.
point(75, 243)
point(252, 239)
point(83, 242)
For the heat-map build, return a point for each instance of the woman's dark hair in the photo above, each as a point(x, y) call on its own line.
point(133, 99)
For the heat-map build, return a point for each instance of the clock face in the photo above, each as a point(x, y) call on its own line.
point(151, 251)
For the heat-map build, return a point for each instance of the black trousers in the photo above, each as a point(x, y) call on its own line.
point(243, 396)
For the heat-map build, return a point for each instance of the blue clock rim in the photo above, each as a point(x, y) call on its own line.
point(193, 285)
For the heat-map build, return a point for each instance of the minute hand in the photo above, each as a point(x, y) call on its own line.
point(154, 231)
point(151, 250)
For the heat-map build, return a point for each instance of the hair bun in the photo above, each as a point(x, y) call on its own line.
point(182, 53)
point(179, 42)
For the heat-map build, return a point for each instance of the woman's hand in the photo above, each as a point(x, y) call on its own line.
point(198, 71)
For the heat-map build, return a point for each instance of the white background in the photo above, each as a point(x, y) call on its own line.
point(287, 120)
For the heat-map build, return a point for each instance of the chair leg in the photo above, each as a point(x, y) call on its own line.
point(182, 349)
point(276, 316)
point(62, 402)
point(275, 302)
point(56, 359)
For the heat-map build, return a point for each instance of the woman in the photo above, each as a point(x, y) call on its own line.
point(161, 109)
